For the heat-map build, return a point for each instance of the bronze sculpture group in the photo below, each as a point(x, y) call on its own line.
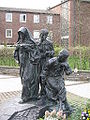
point(39, 67)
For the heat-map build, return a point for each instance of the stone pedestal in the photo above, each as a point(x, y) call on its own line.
point(12, 110)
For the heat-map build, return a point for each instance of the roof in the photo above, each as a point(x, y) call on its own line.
point(26, 10)
point(85, 0)
point(67, 1)
point(59, 4)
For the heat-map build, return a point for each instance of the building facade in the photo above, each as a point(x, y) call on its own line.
point(74, 22)
point(11, 19)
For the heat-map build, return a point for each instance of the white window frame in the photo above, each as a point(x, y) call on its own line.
point(50, 34)
point(37, 32)
point(49, 19)
point(8, 17)
point(21, 18)
point(65, 37)
point(7, 33)
point(36, 18)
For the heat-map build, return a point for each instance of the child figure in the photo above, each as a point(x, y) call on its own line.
point(53, 80)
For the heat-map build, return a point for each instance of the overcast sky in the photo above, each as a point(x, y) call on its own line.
point(32, 4)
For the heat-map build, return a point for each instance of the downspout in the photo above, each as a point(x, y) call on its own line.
point(74, 4)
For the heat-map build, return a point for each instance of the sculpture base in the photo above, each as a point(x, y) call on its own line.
point(12, 110)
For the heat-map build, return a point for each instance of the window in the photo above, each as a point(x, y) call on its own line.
point(49, 19)
point(22, 17)
point(36, 34)
point(36, 18)
point(8, 17)
point(50, 35)
point(8, 33)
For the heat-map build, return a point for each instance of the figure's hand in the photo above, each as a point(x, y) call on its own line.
point(49, 53)
point(64, 64)
point(17, 61)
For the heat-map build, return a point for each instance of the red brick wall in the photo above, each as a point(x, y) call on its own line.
point(2, 26)
point(79, 22)
point(85, 23)
point(71, 23)
point(56, 9)
point(15, 25)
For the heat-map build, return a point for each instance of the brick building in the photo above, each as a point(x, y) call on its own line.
point(11, 19)
point(74, 22)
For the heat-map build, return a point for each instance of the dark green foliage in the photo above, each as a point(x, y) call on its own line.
point(79, 57)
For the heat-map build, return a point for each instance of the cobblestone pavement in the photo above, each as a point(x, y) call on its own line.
point(71, 97)
point(76, 100)
point(10, 86)
point(5, 96)
point(10, 89)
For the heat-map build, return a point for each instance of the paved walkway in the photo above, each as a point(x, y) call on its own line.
point(82, 90)
point(9, 83)
point(12, 84)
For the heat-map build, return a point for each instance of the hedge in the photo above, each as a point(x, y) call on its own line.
point(79, 57)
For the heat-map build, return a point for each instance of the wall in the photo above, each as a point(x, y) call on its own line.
point(15, 25)
point(79, 21)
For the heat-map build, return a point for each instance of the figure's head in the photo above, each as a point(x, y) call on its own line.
point(21, 34)
point(43, 34)
point(24, 35)
point(63, 55)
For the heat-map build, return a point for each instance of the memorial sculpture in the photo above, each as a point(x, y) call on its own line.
point(53, 81)
point(46, 51)
point(39, 66)
point(28, 56)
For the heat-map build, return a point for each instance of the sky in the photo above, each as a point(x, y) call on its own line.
point(32, 4)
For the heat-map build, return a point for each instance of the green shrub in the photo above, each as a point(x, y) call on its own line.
point(57, 49)
point(6, 57)
point(79, 57)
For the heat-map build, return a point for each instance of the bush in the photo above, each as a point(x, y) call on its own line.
point(57, 49)
point(6, 57)
point(79, 57)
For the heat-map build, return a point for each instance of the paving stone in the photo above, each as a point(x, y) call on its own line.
point(11, 107)
point(7, 95)
point(4, 117)
point(12, 110)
